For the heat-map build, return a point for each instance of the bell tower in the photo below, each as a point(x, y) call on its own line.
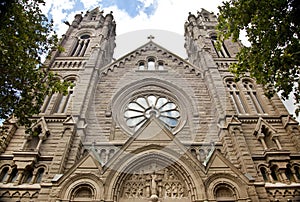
point(200, 35)
point(87, 45)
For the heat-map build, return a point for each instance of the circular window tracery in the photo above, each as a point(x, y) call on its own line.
point(143, 107)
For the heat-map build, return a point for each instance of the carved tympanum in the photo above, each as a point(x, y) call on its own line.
point(153, 180)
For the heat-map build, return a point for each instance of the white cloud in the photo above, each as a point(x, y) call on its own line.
point(88, 4)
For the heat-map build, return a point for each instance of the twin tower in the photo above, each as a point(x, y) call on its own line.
point(151, 126)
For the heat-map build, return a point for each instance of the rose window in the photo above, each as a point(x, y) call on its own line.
point(143, 107)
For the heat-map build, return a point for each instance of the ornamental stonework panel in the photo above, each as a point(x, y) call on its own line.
point(153, 181)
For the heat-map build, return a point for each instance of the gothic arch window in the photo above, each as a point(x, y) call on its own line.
point(4, 174)
point(235, 96)
point(39, 175)
point(268, 138)
point(143, 107)
point(224, 192)
point(81, 45)
point(62, 101)
point(251, 92)
point(47, 101)
point(221, 51)
point(82, 193)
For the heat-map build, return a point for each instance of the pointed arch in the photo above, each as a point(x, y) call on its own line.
point(151, 164)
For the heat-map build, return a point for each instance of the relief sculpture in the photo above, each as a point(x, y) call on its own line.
point(152, 181)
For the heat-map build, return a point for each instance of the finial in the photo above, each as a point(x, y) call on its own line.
point(150, 37)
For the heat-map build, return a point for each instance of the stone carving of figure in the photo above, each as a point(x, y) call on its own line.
point(153, 183)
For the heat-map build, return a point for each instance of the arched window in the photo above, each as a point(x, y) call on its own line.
point(160, 65)
point(151, 64)
point(224, 193)
point(289, 174)
point(81, 45)
point(62, 101)
point(82, 193)
point(201, 155)
point(235, 96)
point(141, 66)
point(264, 174)
point(193, 151)
point(27, 176)
point(251, 91)
point(274, 173)
point(111, 153)
point(4, 174)
point(13, 175)
point(103, 156)
point(268, 138)
point(221, 51)
point(39, 175)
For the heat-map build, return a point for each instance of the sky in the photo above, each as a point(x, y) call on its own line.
point(163, 18)
point(131, 15)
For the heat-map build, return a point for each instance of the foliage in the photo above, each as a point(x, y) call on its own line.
point(272, 28)
point(25, 36)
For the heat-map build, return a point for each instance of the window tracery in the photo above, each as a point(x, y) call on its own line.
point(251, 91)
point(140, 109)
point(62, 101)
point(235, 96)
point(81, 45)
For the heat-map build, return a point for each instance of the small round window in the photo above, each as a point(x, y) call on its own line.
point(143, 107)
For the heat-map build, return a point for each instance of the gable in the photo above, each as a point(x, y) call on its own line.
point(216, 162)
point(163, 58)
point(152, 137)
point(87, 165)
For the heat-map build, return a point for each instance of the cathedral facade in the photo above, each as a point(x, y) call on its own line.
point(151, 126)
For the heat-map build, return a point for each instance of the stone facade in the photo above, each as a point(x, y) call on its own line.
point(151, 126)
